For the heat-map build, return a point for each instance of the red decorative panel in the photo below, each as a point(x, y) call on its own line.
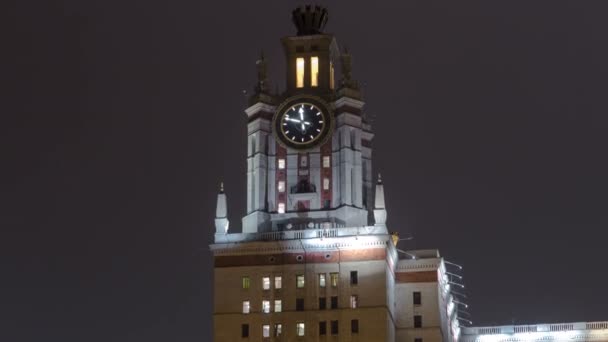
point(326, 195)
point(281, 174)
point(416, 277)
point(300, 258)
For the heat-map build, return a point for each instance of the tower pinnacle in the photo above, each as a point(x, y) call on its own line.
point(221, 212)
point(380, 213)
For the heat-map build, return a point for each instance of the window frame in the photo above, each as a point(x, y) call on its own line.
point(300, 327)
point(302, 283)
point(322, 280)
point(335, 327)
point(266, 283)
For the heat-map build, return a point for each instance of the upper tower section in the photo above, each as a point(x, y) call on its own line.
point(309, 146)
point(310, 54)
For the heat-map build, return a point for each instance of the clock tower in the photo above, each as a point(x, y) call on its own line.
point(309, 148)
point(314, 260)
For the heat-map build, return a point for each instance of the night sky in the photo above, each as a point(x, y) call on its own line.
point(120, 118)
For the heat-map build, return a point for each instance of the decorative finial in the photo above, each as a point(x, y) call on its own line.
point(309, 20)
point(347, 77)
point(221, 187)
point(379, 178)
point(262, 86)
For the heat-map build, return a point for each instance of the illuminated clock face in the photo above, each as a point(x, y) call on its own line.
point(302, 124)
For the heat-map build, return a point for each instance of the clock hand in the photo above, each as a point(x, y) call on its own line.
point(294, 120)
point(301, 111)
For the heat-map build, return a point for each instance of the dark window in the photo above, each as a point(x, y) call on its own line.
point(418, 339)
point(417, 298)
point(334, 327)
point(417, 321)
point(334, 302)
point(354, 278)
point(354, 326)
point(322, 328)
point(322, 303)
point(299, 304)
point(244, 330)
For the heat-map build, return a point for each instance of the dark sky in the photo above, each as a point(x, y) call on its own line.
point(120, 118)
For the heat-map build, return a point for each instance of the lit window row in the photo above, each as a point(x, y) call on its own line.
point(334, 279)
point(301, 329)
point(278, 330)
point(278, 282)
point(314, 71)
point(304, 162)
point(278, 306)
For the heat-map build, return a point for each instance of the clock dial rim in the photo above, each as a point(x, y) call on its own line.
point(317, 102)
point(281, 120)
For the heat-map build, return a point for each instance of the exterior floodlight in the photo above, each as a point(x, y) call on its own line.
point(454, 274)
point(453, 264)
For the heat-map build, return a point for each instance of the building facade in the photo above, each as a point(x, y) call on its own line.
point(315, 260)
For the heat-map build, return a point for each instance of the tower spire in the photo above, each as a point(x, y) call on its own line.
point(380, 213)
point(221, 212)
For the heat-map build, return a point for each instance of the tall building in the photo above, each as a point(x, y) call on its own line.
point(315, 260)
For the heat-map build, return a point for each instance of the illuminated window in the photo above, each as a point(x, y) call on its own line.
point(278, 282)
point(325, 183)
point(314, 71)
point(334, 327)
point(278, 306)
point(281, 163)
point(354, 278)
point(326, 161)
point(354, 327)
point(334, 279)
point(322, 280)
point(278, 329)
point(354, 301)
point(266, 330)
point(244, 330)
point(246, 282)
point(331, 75)
point(266, 283)
point(281, 186)
point(266, 306)
point(300, 329)
point(299, 72)
point(246, 307)
point(281, 208)
point(300, 281)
